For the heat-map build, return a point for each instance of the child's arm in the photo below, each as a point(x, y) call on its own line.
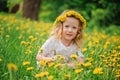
point(42, 57)
point(81, 59)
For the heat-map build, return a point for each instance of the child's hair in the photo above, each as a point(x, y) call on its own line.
point(56, 32)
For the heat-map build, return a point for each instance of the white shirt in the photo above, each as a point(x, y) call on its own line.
point(53, 45)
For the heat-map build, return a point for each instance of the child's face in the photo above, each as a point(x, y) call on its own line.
point(70, 28)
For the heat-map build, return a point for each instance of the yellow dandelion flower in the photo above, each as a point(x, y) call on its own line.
point(28, 43)
point(7, 36)
point(89, 59)
point(97, 71)
point(45, 73)
point(78, 70)
point(79, 64)
point(41, 50)
point(74, 56)
point(118, 65)
point(60, 57)
point(30, 47)
point(26, 63)
point(28, 51)
point(67, 75)
point(117, 76)
point(61, 18)
point(50, 64)
point(90, 44)
point(50, 77)
point(57, 65)
point(42, 63)
point(20, 37)
point(39, 75)
point(87, 64)
point(118, 47)
point(84, 49)
point(101, 56)
point(30, 68)
point(17, 28)
point(0, 59)
point(38, 47)
point(117, 71)
point(71, 13)
point(12, 66)
point(31, 37)
point(92, 52)
point(23, 42)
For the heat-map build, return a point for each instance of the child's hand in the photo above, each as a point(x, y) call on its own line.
point(53, 59)
point(71, 65)
point(38, 57)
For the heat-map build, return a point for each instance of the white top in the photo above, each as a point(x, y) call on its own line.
point(53, 45)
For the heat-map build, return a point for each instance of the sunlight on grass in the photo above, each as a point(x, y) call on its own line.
point(21, 39)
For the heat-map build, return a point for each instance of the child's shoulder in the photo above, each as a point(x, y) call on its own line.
point(52, 39)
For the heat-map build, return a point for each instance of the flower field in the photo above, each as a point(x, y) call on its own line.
point(21, 39)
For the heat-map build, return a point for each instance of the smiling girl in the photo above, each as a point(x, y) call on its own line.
point(66, 38)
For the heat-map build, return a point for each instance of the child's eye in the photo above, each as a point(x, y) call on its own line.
point(74, 27)
point(66, 26)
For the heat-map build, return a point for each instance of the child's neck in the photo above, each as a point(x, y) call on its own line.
point(66, 42)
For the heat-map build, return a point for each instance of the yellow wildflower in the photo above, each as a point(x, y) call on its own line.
point(0, 59)
point(89, 59)
point(31, 37)
point(26, 63)
point(20, 37)
point(118, 76)
point(97, 71)
point(50, 77)
point(84, 49)
point(23, 42)
point(60, 57)
point(57, 65)
point(78, 70)
point(39, 75)
point(90, 44)
point(28, 43)
point(50, 64)
point(62, 18)
point(45, 73)
point(42, 63)
point(92, 52)
point(42, 74)
point(67, 75)
point(87, 64)
point(7, 36)
point(79, 64)
point(30, 68)
point(74, 56)
point(12, 66)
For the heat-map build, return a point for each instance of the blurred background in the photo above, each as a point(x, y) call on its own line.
point(25, 26)
point(100, 13)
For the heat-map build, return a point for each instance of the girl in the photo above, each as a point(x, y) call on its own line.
point(66, 38)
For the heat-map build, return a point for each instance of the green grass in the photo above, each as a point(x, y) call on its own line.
point(21, 39)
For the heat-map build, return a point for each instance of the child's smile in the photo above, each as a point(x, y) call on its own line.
point(70, 29)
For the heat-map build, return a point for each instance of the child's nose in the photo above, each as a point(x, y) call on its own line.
point(70, 29)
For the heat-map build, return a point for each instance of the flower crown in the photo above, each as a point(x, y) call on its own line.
point(62, 18)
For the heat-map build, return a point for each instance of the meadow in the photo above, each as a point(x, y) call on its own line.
point(21, 39)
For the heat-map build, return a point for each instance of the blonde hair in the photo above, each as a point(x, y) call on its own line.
point(57, 29)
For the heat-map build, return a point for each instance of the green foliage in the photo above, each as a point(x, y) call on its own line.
point(96, 12)
point(12, 3)
point(3, 5)
point(21, 39)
